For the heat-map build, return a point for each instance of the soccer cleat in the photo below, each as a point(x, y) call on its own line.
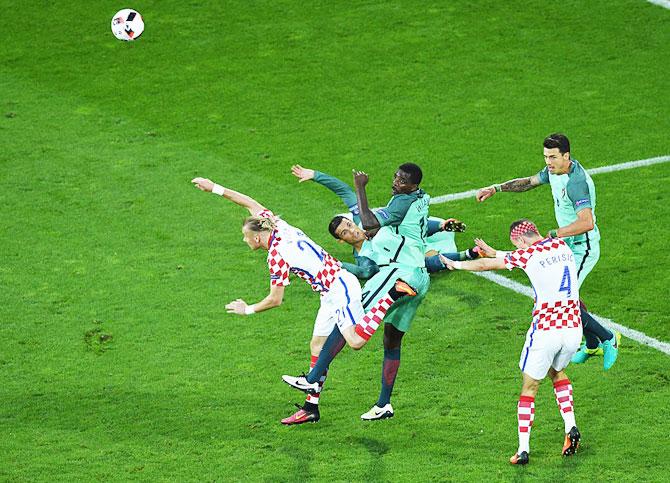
point(302, 416)
point(474, 253)
point(583, 354)
point(455, 225)
point(300, 382)
point(520, 458)
point(571, 442)
point(611, 350)
point(378, 413)
point(404, 288)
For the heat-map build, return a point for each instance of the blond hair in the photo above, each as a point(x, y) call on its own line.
point(258, 224)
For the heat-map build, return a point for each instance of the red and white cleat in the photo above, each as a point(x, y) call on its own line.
point(302, 416)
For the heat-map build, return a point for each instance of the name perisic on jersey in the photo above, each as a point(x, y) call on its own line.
point(563, 257)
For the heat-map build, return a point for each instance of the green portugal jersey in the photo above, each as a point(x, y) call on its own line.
point(572, 192)
point(390, 244)
point(407, 215)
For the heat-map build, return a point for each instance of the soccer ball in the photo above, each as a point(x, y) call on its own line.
point(127, 24)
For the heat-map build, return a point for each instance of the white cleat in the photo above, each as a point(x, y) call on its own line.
point(300, 383)
point(378, 413)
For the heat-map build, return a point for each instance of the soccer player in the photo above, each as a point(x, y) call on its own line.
point(291, 251)
point(404, 220)
point(555, 333)
point(574, 205)
point(439, 239)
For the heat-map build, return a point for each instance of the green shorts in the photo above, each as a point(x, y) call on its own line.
point(442, 242)
point(586, 254)
point(401, 313)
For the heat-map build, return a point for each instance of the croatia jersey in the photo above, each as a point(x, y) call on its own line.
point(290, 250)
point(550, 266)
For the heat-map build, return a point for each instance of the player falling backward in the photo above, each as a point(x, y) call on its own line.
point(574, 206)
point(291, 251)
point(555, 332)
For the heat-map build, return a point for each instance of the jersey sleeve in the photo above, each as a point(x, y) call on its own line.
point(395, 211)
point(543, 175)
point(342, 190)
point(433, 226)
point(364, 268)
point(279, 268)
point(578, 192)
point(516, 259)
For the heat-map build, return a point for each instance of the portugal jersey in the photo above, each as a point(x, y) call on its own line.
point(290, 250)
point(572, 192)
point(550, 266)
point(407, 214)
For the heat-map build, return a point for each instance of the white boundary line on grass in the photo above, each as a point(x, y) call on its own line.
point(661, 3)
point(602, 169)
point(528, 292)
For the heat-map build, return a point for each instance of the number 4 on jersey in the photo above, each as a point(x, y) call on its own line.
point(565, 282)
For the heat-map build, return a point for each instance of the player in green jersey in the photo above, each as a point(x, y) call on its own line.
point(370, 252)
point(574, 206)
point(404, 219)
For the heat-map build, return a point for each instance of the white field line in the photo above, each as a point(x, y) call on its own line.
point(603, 169)
point(630, 333)
point(661, 3)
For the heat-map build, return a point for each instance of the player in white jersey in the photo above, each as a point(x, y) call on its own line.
point(556, 330)
point(291, 251)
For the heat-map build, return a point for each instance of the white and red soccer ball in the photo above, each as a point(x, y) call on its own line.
point(127, 24)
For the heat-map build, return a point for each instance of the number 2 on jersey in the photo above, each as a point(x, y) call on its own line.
point(565, 282)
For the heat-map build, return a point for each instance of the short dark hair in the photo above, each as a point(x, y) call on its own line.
point(334, 223)
point(557, 140)
point(414, 172)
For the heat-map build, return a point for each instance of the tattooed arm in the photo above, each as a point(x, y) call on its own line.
point(514, 185)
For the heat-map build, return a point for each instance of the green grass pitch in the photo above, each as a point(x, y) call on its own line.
point(117, 360)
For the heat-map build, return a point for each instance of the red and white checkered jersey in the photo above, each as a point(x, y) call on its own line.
point(550, 266)
point(291, 250)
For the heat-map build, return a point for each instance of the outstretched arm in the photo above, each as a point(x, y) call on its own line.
point(479, 265)
point(273, 299)
point(368, 218)
point(514, 185)
point(337, 186)
point(243, 200)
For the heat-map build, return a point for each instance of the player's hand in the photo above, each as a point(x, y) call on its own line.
point(485, 193)
point(236, 307)
point(447, 262)
point(303, 174)
point(203, 184)
point(360, 179)
point(485, 248)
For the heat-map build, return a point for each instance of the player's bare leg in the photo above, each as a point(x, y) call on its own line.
point(563, 391)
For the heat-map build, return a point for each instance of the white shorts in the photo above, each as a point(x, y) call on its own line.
point(548, 348)
point(340, 306)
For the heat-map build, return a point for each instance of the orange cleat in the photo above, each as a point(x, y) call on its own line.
point(571, 442)
point(301, 416)
point(404, 288)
